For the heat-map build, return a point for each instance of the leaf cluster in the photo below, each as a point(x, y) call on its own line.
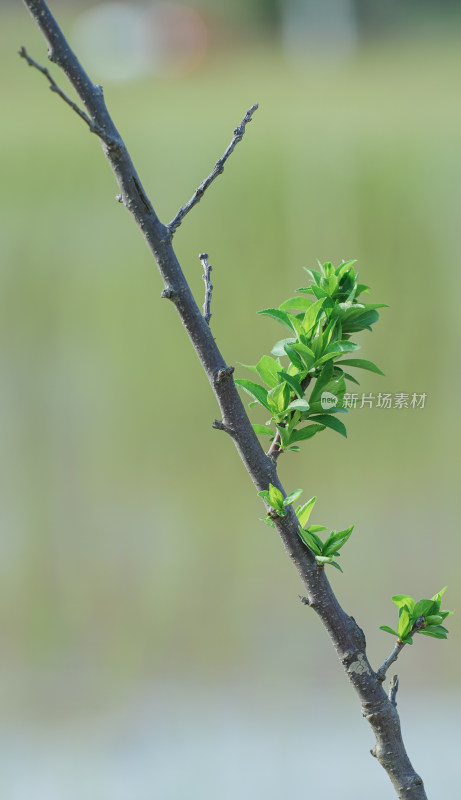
point(275, 499)
point(321, 319)
point(324, 552)
point(424, 616)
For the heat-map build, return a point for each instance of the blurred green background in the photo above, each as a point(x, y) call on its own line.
point(124, 563)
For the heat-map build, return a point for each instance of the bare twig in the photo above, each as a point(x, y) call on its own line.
point(57, 89)
point(208, 286)
point(275, 448)
point(217, 170)
point(381, 673)
point(393, 689)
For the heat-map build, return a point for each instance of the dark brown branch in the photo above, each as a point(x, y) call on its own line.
point(208, 286)
point(217, 170)
point(346, 636)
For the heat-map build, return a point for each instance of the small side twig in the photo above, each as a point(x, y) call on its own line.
point(57, 89)
point(275, 448)
point(393, 689)
point(381, 673)
point(208, 286)
point(217, 170)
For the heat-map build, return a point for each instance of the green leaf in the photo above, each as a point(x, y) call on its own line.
point(336, 540)
point(296, 302)
point(302, 405)
point(264, 494)
point(335, 564)
point(291, 498)
point(361, 363)
point(388, 630)
point(303, 512)
point(268, 368)
point(423, 607)
point(324, 559)
point(285, 435)
point(343, 346)
point(401, 600)
point(278, 398)
point(433, 619)
point(306, 354)
point(306, 433)
point(351, 378)
point(295, 359)
point(316, 529)
point(360, 321)
point(263, 430)
point(278, 348)
point(311, 316)
point(405, 624)
point(316, 276)
point(267, 521)
point(275, 497)
point(248, 366)
point(279, 316)
point(309, 541)
point(435, 632)
point(293, 383)
point(255, 390)
point(437, 597)
point(330, 422)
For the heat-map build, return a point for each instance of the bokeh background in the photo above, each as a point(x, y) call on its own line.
point(152, 641)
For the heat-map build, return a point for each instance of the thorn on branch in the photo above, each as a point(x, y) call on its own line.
point(217, 170)
point(208, 286)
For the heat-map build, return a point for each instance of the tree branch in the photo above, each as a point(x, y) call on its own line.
point(217, 170)
point(381, 673)
point(347, 638)
point(208, 286)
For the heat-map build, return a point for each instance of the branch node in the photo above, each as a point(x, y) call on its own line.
point(208, 286)
point(119, 198)
point(217, 170)
point(304, 600)
point(224, 373)
point(219, 425)
point(55, 88)
point(168, 293)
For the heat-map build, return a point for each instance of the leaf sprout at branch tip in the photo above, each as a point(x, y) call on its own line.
point(424, 616)
point(318, 352)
